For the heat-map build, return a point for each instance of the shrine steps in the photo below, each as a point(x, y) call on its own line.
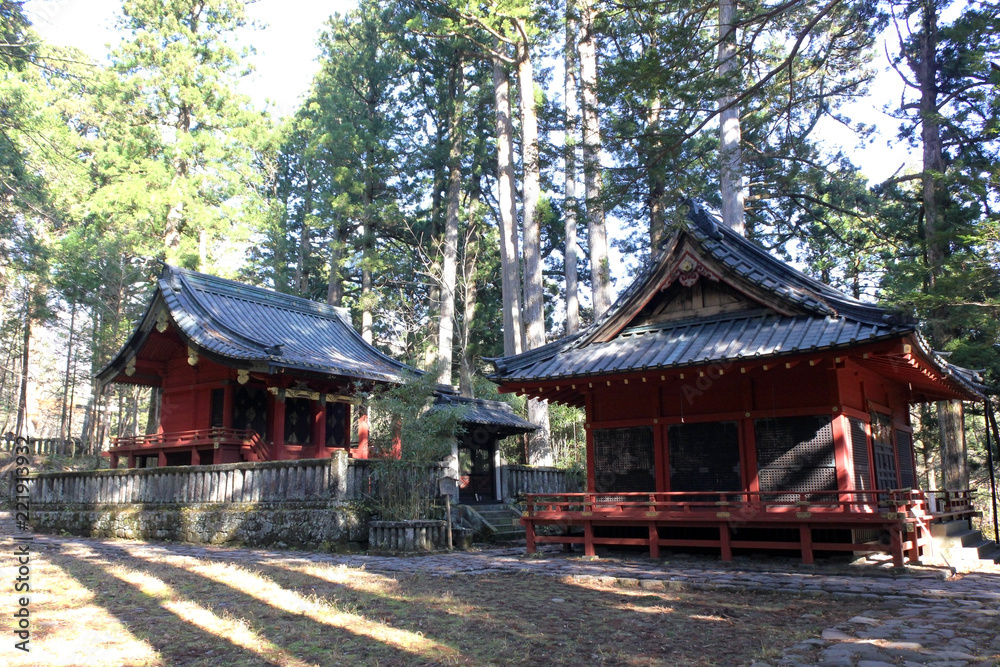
point(962, 545)
point(499, 522)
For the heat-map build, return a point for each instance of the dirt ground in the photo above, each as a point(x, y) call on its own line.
point(113, 609)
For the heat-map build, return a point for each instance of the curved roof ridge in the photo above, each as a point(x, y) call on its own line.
point(712, 231)
point(193, 299)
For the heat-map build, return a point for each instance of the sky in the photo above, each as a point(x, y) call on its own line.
point(284, 64)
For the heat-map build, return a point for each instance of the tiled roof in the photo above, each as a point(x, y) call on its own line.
point(816, 317)
point(252, 326)
point(495, 415)
point(763, 334)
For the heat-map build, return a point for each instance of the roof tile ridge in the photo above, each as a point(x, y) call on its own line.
point(191, 294)
point(262, 294)
point(308, 307)
point(827, 296)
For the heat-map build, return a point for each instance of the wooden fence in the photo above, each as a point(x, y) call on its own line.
point(517, 480)
point(336, 478)
point(43, 446)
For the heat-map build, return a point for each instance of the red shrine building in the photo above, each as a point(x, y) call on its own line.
point(734, 402)
point(245, 374)
point(248, 374)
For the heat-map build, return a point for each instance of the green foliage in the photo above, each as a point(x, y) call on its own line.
point(408, 433)
point(405, 415)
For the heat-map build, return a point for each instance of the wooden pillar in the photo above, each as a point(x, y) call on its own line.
point(131, 459)
point(588, 539)
point(654, 541)
point(161, 459)
point(913, 552)
point(748, 446)
point(114, 461)
point(589, 434)
point(278, 427)
point(843, 460)
point(319, 428)
point(725, 542)
point(805, 538)
point(529, 536)
point(661, 458)
point(896, 545)
point(195, 457)
point(362, 451)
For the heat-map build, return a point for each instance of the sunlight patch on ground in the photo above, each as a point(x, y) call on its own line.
point(69, 626)
point(231, 629)
point(267, 591)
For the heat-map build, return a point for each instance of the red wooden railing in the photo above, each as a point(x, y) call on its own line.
point(740, 504)
point(904, 515)
point(196, 437)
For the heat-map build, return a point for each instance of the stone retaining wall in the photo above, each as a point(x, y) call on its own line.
point(289, 524)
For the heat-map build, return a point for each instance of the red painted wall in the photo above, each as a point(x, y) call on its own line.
point(722, 393)
point(187, 393)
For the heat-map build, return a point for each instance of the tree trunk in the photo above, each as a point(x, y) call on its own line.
point(63, 418)
point(513, 335)
point(600, 269)
point(539, 449)
point(954, 464)
point(367, 328)
point(570, 204)
point(449, 260)
point(153, 416)
point(730, 136)
point(954, 468)
point(335, 283)
point(302, 263)
point(22, 428)
point(470, 295)
point(656, 185)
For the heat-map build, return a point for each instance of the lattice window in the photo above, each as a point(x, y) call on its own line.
point(705, 457)
point(795, 454)
point(862, 461)
point(904, 454)
point(884, 455)
point(250, 410)
point(336, 424)
point(298, 421)
point(623, 459)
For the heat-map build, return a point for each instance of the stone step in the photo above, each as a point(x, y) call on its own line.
point(966, 547)
point(492, 517)
point(508, 536)
point(946, 528)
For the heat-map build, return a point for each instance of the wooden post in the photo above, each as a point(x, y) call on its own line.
point(725, 542)
point(278, 427)
point(362, 452)
point(896, 545)
point(588, 539)
point(319, 428)
point(805, 538)
point(654, 541)
point(529, 535)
